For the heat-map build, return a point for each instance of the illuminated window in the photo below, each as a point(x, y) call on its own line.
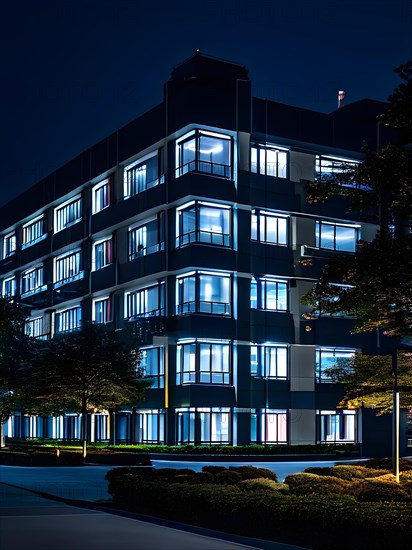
point(268, 426)
point(147, 237)
point(9, 245)
point(67, 214)
point(101, 196)
point(67, 268)
point(33, 231)
point(327, 358)
point(148, 301)
point(202, 362)
point(202, 292)
point(101, 312)
point(68, 319)
point(203, 222)
point(337, 427)
point(34, 328)
point(269, 361)
point(269, 294)
point(206, 425)
point(32, 280)
point(150, 426)
point(152, 363)
point(102, 254)
point(269, 228)
point(9, 287)
point(330, 168)
point(269, 160)
point(143, 174)
point(206, 152)
point(333, 236)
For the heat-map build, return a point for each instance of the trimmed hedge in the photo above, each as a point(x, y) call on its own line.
point(307, 484)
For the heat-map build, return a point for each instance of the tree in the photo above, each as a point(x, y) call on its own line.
point(90, 370)
point(15, 356)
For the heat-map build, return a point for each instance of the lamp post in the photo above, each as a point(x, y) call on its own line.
point(395, 416)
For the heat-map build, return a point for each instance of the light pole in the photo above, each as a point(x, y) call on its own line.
point(395, 416)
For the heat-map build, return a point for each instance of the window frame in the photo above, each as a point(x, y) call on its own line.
point(196, 373)
point(107, 255)
point(335, 225)
point(9, 244)
point(38, 269)
point(337, 353)
point(158, 376)
point(130, 188)
point(261, 284)
point(69, 278)
point(137, 249)
point(185, 238)
point(196, 305)
point(263, 149)
point(263, 216)
point(78, 318)
point(13, 291)
point(38, 237)
point(59, 225)
point(130, 304)
point(107, 312)
point(104, 184)
point(263, 369)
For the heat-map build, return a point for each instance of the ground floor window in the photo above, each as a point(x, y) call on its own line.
point(268, 426)
point(204, 426)
point(337, 427)
point(150, 426)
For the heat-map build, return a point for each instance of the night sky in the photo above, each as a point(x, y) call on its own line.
point(75, 71)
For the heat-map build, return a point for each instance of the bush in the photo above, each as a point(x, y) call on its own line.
point(307, 484)
point(263, 484)
point(347, 472)
point(251, 472)
point(214, 469)
point(172, 472)
point(379, 491)
point(386, 464)
point(227, 477)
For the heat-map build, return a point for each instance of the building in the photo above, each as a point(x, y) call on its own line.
point(192, 223)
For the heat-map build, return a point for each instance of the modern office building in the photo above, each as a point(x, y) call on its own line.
point(192, 222)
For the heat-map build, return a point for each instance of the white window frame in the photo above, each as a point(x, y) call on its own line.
point(59, 312)
point(261, 217)
point(96, 203)
point(9, 250)
point(58, 226)
point(14, 287)
point(107, 314)
point(67, 278)
point(97, 243)
point(39, 235)
point(39, 285)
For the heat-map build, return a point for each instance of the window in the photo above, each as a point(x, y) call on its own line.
point(9, 287)
point(67, 214)
point(337, 427)
point(102, 254)
point(152, 363)
point(32, 280)
point(145, 301)
point(33, 231)
point(201, 362)
point(333, 236)
point(269, 228)
point(101, 312)
point(270, 294)
point(34, 328)
point(327, 358)
point(329, 168)
point(269, 361)
point(146, 238)
point(269, 160)
point(150, 426)
point(143, 174)
point(206, 152)
point(67, 268)
point(203, 222)
point(9, 245)
point(202, 292)
point(68, 319)
point(204, 426)
point(101, 196)
point(268, 426)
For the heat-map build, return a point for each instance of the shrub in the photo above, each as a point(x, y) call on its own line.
point(171, 472)
point(251, 472)
point(376, 490)
point(306, 484)
point(386, 464)
point(118, 473)
point(319, 471)
point(214, 469)
point(349, 472)
point(228, 477)
point(263, 484)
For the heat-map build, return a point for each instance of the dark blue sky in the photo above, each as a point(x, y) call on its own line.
point(75, 71)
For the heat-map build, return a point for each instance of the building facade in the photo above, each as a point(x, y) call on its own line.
point(192, 223)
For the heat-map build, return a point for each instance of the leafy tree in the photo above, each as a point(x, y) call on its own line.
point(94, 369)
point(368, 380)
point(15, 356)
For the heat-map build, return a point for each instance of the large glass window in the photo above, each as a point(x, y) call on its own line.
point(67, 214)
point(143, 174)
point(9, 245)
point(9, 287)
point(202, 292)
point(152, 363)
point(333, 236)
point(270, 294)
point(205, 426)
point(67, 268)
point(32, 280)
point(33, 231)
point(203, 362)
point(101, 196)
point(203, 222)
point(150, 426)
point(269, 361)
point(327, 358)
point(102, 253)
point(68, 319)
point(206, 152)
point(337, 427)
point(35, 328)
point(101, 312)
point(146, 301)
point(268, 426)
point(147, 237)
point(269, 228)
point(329, 168)
point(269, 160)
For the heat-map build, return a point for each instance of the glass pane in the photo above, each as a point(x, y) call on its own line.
point(271, 162)
point(345, 238)
point(282, 164)
point(327, 237)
